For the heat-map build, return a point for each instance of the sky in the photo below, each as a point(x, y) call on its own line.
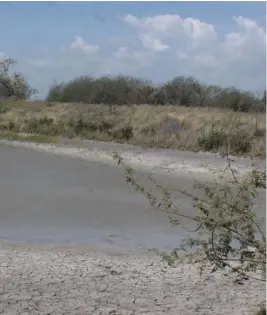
point(220, 43)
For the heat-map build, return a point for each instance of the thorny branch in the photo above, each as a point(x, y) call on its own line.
point(225, 218)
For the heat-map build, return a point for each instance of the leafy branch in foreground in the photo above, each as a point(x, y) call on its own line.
point(228, 231)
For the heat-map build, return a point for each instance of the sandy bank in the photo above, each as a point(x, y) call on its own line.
point(199, 165)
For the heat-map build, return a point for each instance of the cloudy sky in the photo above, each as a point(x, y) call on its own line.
point(216, 42)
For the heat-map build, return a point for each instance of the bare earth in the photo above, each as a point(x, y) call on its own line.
point(75, 281)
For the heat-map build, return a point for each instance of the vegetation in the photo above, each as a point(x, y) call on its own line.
point(11, 136)
point(227, 233)
point(175, 127)
point(78, 109)
point(13, 84)
point(181, 91)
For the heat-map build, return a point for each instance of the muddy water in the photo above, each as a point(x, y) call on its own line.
point(55, 199)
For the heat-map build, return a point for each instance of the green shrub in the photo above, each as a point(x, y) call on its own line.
point(211, 138)
point(236, 100)
point(240, 141)
point(55, 93)
point(237, 140)
point(124, 133)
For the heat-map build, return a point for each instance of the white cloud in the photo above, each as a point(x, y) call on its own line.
point(246, 23)
point(162, 24)
point(161, 33)
point(197, 49)
point(152, 43)
point(79, 44)
point(164, 46)
point(131, 19)
point(248, 41)
point(123, 53)
point(147, 35)
point(196, 29)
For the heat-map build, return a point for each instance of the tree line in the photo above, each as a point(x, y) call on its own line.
point(125, 90)
point(180, 91)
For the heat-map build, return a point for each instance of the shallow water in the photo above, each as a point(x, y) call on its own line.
point(51, 199)
point(54, 199)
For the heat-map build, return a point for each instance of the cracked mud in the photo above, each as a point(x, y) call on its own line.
point(45, 281)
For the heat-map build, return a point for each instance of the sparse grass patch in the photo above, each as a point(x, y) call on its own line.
point(11, 136)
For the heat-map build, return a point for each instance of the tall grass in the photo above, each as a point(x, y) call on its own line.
point(177, 127)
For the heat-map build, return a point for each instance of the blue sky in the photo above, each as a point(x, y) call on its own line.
point(217, 42)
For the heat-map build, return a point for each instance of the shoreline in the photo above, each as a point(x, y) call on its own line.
point(201, 165)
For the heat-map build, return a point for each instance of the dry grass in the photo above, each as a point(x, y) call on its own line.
point(28, 138)
point(161, 126)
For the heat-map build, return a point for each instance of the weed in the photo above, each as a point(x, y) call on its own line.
point(211, 138)
point(240, 141)
point(124, 133)
point(259, 133)
point(3, 107)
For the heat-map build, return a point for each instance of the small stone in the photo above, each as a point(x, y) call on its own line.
point(190, 305)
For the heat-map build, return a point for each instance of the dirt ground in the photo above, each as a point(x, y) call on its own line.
point(42, 280)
